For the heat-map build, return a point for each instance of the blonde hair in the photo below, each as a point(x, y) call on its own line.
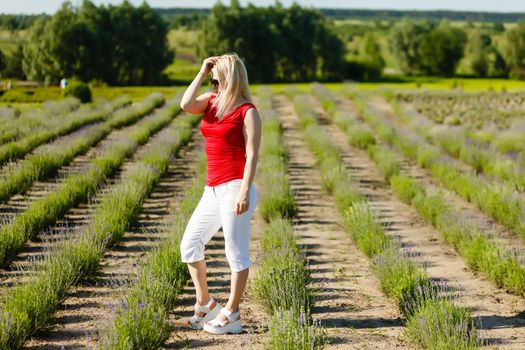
point(232, 74)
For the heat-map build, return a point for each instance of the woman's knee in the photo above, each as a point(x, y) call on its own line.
point(238, 257)
point(238, 265)
point(191, 250)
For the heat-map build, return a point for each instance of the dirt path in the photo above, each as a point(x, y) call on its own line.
point(87, 306)
point(350, 305)
point(74, 218)
point(502, 315)
point(470, 211)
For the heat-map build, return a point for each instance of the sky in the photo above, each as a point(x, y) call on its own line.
point(50, 6)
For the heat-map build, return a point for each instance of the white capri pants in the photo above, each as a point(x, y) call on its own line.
point(216, 210)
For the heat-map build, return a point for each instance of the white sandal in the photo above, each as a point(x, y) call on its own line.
point(196, 322)
point(224, 327)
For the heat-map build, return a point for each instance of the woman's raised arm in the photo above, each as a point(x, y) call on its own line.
point(189, 102)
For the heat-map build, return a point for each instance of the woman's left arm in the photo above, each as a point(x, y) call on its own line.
point(252, 137)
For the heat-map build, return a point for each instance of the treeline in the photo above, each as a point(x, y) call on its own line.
point(419, 47)
point(17, 22)
point(277, 44)
point(435, 15)
point(428, 48)
point(127, 45)
point(118, 45)
point(363, 14)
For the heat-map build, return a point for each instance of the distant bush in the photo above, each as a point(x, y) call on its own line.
point(79, 90)
point(361, 69)
point(30, 94)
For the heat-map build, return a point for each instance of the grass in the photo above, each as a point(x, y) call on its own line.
point(23, 95)
point(181, 70)
point(434, 83)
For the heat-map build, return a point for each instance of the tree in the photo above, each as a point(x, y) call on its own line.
point(13, 64)
point(2, 62)
point(372, 51)
point(140, 50)
point(497, 67)
point(38, 62)
point(498, 27)
point(441, 50)
point(477, 50)
point(514, 53)
point(424, 48)
point(118, 44)
point(272, 42)
point(404, 41)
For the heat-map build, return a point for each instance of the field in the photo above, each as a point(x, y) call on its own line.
point(389, 217)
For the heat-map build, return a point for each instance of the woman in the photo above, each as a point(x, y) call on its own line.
point(232, 130)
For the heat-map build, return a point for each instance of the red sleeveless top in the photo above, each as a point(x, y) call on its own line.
point(225, 145)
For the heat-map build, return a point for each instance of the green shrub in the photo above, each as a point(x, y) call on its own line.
point(291, 332)
point(437, 323)
point(79, 90)
point(282, 280)
point(385, 159)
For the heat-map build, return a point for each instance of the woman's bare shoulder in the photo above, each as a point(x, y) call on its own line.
point(251, 113)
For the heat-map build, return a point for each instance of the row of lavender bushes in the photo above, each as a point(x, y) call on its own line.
point(17, 177)
point(502, 266)
point(432, 318)
point(15, 125)
point(497, 199)
point(78, 187)
point(141, 320)
point(29, 306)
point(67, 117)
point(282, 283)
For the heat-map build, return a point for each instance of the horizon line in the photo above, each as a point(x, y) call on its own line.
point(307, 6)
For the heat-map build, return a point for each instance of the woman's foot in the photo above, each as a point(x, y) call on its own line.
point(204, 313)
point(225, 322)
point(212, 305)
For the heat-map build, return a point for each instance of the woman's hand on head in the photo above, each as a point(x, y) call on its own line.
point(208, 64)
